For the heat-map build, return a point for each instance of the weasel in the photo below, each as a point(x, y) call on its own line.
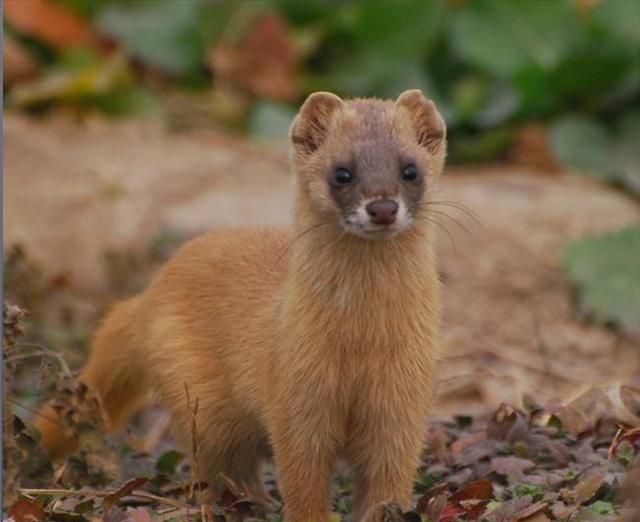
point(315, 344)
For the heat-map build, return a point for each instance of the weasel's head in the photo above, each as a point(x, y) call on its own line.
point(366, 165)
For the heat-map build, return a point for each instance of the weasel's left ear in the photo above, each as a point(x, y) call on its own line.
point(429, 126)
point(311, 126)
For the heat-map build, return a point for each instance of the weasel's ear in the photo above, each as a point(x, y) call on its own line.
point(428, 124)
point(310, 128)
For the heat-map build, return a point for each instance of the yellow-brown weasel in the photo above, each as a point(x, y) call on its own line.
point(320, 343)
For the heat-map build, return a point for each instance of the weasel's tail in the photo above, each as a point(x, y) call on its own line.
point(114, 373)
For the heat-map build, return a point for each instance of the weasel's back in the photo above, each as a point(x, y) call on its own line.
point(215, 300)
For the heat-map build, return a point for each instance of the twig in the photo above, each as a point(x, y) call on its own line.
point(194, 440)
point(43, 351)
point(98, 493)
point(37, 413)
point(544, 352)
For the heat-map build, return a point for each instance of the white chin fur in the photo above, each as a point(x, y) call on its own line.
point(359, 223)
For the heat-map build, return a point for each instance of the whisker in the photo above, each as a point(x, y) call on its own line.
point(299, 236)
point(443, 228)
point(458, 206)
point(456, 221)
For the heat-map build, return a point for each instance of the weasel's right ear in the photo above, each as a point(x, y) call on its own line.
point(310, 128)
point(428, 124)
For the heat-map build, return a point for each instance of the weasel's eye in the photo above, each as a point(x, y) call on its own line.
point(342, 176)
point(409, 172)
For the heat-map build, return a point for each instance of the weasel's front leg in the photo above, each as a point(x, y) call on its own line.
point(304, 452)
point(385, 442)
point(384, 464)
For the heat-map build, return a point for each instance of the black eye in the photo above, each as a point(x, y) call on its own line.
point(409, 172)
point(342, 176)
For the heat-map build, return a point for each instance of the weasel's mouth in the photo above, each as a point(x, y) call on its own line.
point(371, 231)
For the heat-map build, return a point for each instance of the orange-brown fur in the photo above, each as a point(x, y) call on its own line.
point(317, 343)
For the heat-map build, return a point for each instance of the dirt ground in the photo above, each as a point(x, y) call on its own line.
point(76, 190)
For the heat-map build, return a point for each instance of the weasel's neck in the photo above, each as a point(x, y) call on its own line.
point(349, 274)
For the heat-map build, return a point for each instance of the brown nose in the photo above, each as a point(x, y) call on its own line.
point(382, 211)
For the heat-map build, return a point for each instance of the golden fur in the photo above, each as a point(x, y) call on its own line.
point(316, 343)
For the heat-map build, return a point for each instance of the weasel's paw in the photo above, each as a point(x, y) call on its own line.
point(384, 512)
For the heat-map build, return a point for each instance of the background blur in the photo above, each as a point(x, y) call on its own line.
point(130, 126)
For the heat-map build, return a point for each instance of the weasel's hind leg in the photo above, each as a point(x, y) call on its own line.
point(231, 448)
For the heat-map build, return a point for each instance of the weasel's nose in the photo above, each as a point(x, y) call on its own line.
point(382, 211)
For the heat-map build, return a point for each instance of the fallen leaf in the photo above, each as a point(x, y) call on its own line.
point(515, 510)
point(428, 496)
point(511, 467)
point(462, 443)
point(618, 401)
point(450, 513)
point(115, 514)
point(476, 490)
point(508, 424)
point(586, 489)
point(436, 444)
point(538, 517)
point(47, 21)
point(560, 453)
point(139, 515)
point(26, 511)
point(123, 491)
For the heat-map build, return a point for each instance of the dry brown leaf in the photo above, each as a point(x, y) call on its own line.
point(616, 401)
point(428, 496)
point(26, 511)
point(262, 62)
point(123, 491)
point(17, 63)
point(48, 22)
point(512, 467)
point(538, 517)
point(508, 424)
point(436, 442)
point(476, 490)
point(139, 515)
point(586, 489)
point(464, 442)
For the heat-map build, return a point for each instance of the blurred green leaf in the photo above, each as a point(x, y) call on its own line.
point(606, 271)
point(628, 153)
point(536, 94)
point(590, 147)
point(402, 27)
point(477, 147)
point(137, 100)
point(603, 508)
point(379, 48)
point(84, 77)
point(271, 120)
point(168, 461)
point(583, 144)
point(161, 34)
point(622, 18)
point(503, 37)
point(588, 72)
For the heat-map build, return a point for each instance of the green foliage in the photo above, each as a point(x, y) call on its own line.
point(589, 146)
point(536, 492)
point(606, 271)
point(490, 65)
point(603, 508)
point(168, 462)
point(160, 34)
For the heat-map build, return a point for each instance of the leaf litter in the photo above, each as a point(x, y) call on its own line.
point(514, 465)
